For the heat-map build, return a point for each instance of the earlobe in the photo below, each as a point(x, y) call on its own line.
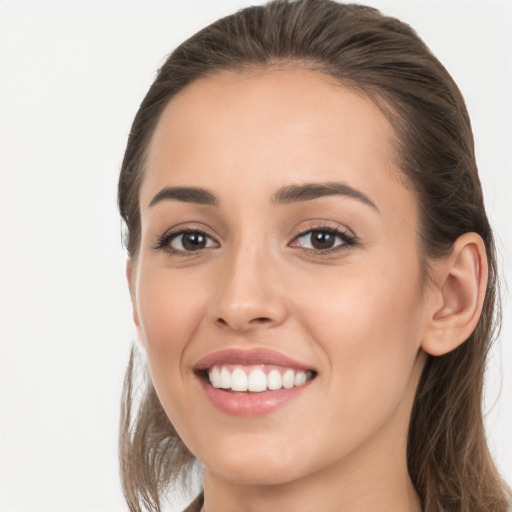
point(461, 281)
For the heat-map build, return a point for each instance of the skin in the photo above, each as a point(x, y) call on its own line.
point(359, 314)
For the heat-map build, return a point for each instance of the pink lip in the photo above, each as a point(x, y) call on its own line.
point(249, 357)
point(248, 404)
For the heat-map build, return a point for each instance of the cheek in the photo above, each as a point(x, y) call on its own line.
point(369, 327)
point(170, 309)
point(166, 300)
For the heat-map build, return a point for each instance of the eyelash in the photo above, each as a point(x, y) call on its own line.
point(348, 240)
point(164, 242)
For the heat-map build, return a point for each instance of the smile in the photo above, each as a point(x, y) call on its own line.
point(256, 378)
point(252, 382)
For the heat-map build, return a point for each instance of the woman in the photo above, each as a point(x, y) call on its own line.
point(312, 272)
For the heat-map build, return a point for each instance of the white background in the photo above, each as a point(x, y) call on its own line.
point(71, 77)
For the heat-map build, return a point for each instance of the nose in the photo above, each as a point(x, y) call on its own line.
point(248, 296)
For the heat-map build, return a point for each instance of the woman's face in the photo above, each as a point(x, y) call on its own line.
point(279, 249)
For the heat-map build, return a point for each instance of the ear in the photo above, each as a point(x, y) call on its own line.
point(460, 283)
point(130, 277)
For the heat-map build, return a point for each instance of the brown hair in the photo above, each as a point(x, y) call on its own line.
point(448, 458)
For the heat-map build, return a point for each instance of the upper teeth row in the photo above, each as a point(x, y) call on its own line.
point(256, 380)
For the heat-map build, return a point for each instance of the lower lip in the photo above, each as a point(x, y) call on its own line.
point(250, 404)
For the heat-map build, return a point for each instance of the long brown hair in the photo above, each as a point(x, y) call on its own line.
point(448, 458)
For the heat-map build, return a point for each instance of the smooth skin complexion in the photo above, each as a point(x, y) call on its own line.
point(299, 240)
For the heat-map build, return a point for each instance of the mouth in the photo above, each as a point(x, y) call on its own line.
point(256, 378)
point(255, 382)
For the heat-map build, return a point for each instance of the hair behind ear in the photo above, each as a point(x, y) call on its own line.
point(450, 465)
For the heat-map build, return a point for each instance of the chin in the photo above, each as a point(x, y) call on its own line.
point(254, 474)
point(255, 465)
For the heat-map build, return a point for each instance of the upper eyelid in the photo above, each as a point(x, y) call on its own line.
point(326, 226)
point(338, 232)
point(165, 239)
point(187, 228)
point(331, 229)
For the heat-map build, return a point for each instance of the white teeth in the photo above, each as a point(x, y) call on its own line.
point(225, 379)
point(215, 377)
point(274, 380)
point(300, 378)
point(256, 380)
point(288, 379)
point(238, 380)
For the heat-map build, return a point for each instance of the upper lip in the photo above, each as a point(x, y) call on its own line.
point(253, 356)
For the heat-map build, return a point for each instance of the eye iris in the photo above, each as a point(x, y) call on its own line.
point(322, 239)
point(193, 241)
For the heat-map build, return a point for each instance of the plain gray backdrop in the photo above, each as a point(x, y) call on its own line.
point(71, 77)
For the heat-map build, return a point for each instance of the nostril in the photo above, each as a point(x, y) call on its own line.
point(260, 320)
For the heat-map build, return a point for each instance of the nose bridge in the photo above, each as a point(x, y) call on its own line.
point(247, 296)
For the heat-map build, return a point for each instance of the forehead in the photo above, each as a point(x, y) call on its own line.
point(293, 102)
point(267, 128)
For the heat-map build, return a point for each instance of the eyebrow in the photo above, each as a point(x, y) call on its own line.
point(186, 195)
point(309, 191)
point(286, 195)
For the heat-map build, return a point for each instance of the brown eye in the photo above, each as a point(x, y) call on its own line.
point(323, 240)
point(191, 241)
